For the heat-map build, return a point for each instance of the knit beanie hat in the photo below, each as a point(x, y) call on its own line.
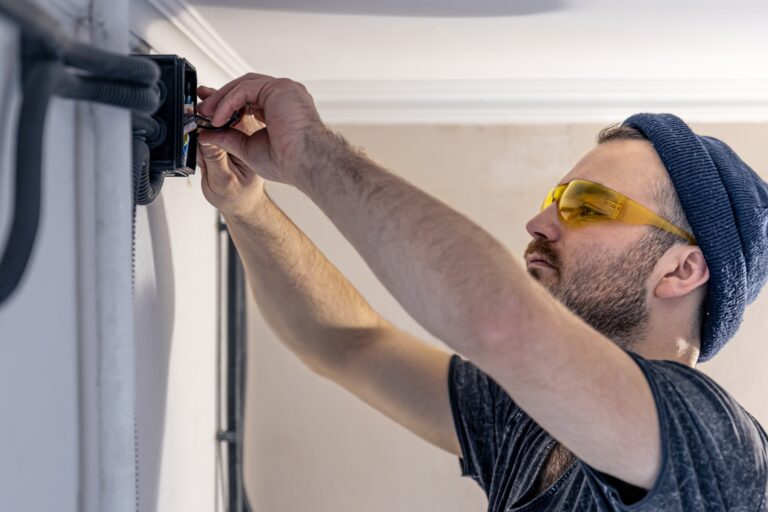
point(726, 204)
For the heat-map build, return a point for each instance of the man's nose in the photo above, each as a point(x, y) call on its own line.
point(545, 225)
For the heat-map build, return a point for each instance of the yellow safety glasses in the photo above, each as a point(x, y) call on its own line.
point(582, 201)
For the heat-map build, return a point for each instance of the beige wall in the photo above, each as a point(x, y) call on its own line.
point(311, 445)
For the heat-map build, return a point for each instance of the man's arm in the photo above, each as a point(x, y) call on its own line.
point(459, 283)
point(465, 287)
point(318, 314)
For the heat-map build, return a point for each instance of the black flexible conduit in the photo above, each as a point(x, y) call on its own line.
point(147, 134)
point(39, 26)
point(54, 66)
point(40, 84)
point(236, 360)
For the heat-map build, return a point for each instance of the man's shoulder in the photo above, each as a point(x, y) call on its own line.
point(682, 391)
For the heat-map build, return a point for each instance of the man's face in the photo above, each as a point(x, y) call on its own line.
point(600, 271)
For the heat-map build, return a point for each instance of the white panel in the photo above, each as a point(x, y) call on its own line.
point(38, 325)
point(175, 318)
point(176, 315)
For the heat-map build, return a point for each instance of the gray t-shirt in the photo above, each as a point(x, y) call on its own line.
point(714, 454)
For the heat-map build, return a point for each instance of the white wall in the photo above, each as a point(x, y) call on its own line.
point(75, 403)
point(52, 349)
point(313, 445)
point(38, 325)
point(176, 317)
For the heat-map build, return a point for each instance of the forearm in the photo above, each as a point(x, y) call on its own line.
point(310, 305)
point(449, 274)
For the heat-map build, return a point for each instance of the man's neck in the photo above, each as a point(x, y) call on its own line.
point(676, 348)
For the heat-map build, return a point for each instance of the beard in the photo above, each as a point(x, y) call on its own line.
point(608, 291)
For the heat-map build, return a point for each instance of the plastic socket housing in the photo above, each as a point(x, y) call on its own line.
point(177, 154)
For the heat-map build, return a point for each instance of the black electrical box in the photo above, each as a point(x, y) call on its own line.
point(177, 154)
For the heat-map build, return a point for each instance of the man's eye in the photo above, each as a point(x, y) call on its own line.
point(589, 212)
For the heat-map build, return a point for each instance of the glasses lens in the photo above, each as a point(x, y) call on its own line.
point(547, 200)
point(553, 196)
point(584, 201)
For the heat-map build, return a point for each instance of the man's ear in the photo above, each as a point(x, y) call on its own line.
point(683, 269)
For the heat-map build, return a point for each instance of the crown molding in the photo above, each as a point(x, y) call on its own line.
point(537, 101)
point(194, 26)
point(480, 101)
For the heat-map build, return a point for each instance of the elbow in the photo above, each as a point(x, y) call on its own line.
point(501, 330)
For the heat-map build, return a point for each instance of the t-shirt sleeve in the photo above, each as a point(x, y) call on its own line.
point(714, 454)
point(479, 406)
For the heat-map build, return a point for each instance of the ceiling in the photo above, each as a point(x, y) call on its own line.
point(495, 39)
point(482, 61)
point(429, 8)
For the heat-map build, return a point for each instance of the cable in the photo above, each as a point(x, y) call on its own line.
point(137, 98)
point(110, 65)
point(40, 84)
point(40, 26)
point(150, 129)
point(53, 65)
point(35, 23)
point(146, 185)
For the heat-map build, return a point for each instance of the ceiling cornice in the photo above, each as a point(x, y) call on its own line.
point(495, 101)
point(194, 26)
point(537, 101)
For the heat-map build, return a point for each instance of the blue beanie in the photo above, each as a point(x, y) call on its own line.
point(726, 204)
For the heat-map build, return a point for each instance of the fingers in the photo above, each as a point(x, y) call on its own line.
point(213, 159)
point(252, 93)
point(212, 101)
point(204, 92)
point(249, 124)
point(225, 141)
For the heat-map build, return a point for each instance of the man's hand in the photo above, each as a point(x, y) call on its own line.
point(280, 151)
point(228, 183)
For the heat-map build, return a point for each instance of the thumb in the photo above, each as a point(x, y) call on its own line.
point(210, 153)
point(230, 141)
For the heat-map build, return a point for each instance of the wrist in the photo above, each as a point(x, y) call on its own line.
point(324, 154)
point(252, 213)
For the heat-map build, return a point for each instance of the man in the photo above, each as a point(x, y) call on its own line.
point(581, 393)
